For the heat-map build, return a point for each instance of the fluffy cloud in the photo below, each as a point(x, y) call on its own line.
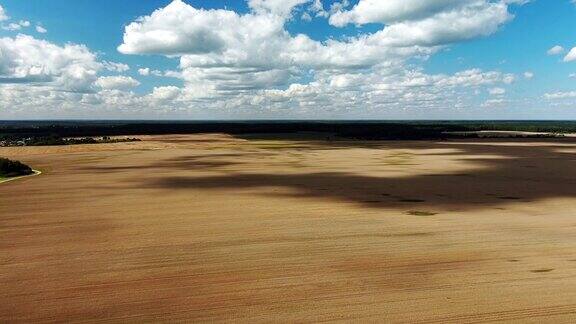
point(144, 71)
point(467, 22)
point(427, 23)
point(115, 67)
point(241, 64)
point(386, 12)
point(223, 53)
point(225, 37)
point(3, 15)
point(475, 78)
point(561, 95)
point(495, 102)
point(571, 56)
point(25, 59)
point(181, 29)
point(556, 50)
point(117, 82)
point(497, 91)
point(278, 7)
point(41, 29)
point(165, 93)
point(376, 94)
point(148, 71)
point(16, 25)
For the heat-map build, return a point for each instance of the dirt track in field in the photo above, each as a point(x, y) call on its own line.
point(212, 228)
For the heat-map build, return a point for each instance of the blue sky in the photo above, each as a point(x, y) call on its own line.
point(295, 59)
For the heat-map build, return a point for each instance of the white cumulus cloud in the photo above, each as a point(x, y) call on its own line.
point(497, 91)
point(571, 56)
point(16, 25)
point(165, 93)
point(561, 95)
point(390, 11)
point(555, 50)
point(223, 52)
point(279, 7)
point(241, 64)
point(117, 82)
point(115, 67)
point(3, 14)
point(41, 29)
point(25, 59)
point(144, 71)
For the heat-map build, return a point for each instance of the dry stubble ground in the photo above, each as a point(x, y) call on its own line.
point(213, 228)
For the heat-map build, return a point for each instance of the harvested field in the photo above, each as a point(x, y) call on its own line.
point(211, 228)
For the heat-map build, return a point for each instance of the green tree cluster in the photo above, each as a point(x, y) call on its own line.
point(10, 169)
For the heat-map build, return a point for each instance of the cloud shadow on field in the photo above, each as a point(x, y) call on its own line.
point(520, 174)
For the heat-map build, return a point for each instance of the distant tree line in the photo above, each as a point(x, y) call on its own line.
point(82, 132)
point(27, 140)
point(533, 127)
point(9, 168)
point(357, 130)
